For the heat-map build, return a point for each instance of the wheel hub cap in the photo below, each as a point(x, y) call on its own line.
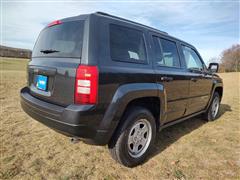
point(215, 107)
point(139, 138)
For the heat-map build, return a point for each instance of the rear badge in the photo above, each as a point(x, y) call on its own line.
point(42, 82)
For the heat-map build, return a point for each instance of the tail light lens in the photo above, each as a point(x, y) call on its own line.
point(86, 85)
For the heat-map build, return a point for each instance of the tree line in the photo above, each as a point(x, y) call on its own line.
point(229, 59)
point(14, 52)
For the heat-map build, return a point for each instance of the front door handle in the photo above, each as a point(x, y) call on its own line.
point(166, 78)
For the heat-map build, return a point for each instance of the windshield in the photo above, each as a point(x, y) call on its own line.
point(62, 40)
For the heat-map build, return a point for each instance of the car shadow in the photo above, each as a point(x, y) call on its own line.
point(171, 134)
point(224, 108)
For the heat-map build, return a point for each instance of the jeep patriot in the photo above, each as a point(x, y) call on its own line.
point(107, 80)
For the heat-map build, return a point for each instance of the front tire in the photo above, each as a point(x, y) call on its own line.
point(213, 110)
point(134, 138)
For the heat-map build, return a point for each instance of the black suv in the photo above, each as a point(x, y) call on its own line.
point(107, 80)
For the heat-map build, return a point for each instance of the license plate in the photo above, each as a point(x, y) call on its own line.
point(42, 82)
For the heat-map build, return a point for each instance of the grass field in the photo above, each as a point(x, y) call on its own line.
point(14, 64)
point(193, 149)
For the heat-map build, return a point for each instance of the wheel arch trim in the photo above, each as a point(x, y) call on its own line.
point(123, 96)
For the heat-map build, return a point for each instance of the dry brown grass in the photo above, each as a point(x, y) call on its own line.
point(190, 150)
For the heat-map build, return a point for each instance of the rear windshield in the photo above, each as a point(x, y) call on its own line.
point(62, 40)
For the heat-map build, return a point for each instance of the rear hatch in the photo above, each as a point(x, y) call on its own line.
point(55, 58)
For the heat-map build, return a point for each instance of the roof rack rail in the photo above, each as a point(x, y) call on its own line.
point(106, 14)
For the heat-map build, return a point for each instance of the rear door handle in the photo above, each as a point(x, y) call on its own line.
point(166, 78)
point(194, 79)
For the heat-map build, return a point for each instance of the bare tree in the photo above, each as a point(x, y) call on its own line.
point(230, 58)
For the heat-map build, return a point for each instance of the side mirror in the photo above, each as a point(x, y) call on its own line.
point(213, 67)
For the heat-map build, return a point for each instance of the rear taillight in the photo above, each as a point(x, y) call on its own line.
point(86, 85)
point(57, 22)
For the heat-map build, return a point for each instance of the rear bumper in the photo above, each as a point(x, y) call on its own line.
point(73, 120)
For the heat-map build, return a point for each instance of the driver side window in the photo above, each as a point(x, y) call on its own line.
point(192, 59)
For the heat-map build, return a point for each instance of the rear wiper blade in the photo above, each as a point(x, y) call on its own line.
point(48, 51)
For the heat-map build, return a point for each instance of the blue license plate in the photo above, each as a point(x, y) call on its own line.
point(42, 82)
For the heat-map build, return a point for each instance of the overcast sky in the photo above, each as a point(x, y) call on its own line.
point(210, 26)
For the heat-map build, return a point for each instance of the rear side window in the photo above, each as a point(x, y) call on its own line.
point(158, 52)
point(127, 44)
point(169, 56)
point(62, 40)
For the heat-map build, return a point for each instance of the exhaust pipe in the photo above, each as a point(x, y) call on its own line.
point(74, 140)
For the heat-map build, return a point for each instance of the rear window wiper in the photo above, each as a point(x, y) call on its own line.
point(48, 51)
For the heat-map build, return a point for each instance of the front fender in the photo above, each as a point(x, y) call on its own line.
point(216, 83)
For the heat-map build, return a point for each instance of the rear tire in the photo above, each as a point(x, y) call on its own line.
point(213, 110)
point(134, 139)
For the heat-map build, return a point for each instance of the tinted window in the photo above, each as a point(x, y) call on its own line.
point(64, 40)
point(169, 56)
point(127, 44)
point(157, 49)
point(192, 59)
